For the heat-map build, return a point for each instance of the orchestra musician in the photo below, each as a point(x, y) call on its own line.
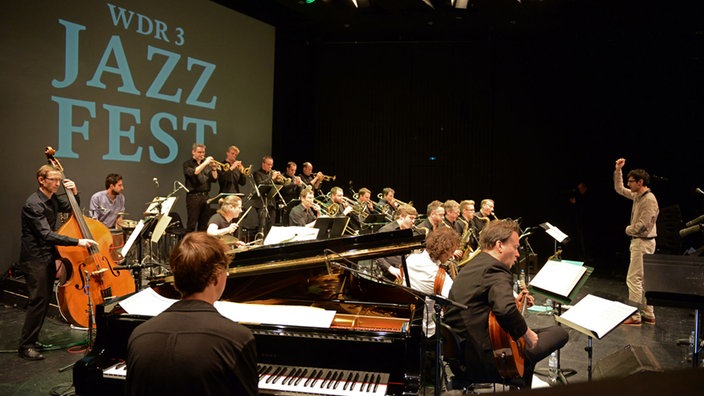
point(107, 205)
point(391, 266)
point(190, 348)
point(451, 219)
point(486, 213)
point(314, 180)
point(425, 272)
point(306, 213)
point(435, 214)
point(467, 215)
point(199, 172)
point(387, 202)
point(264, 205)
point(292, 183)
point(487, 285)
point(222, 222)
point(231, 179)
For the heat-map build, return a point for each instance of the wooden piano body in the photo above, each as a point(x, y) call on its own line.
point(381, 336)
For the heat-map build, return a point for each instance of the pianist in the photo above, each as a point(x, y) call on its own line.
point(190, 349)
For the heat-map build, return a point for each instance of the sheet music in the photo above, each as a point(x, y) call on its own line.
point(133, 237)
point(291, 315)
point(597, 314)
point(290, 234)
point(558, 277)
point(149, 303)
point(146, 302)
point(554, 232)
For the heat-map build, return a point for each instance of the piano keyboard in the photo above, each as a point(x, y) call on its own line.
point(320, 381)
point(302, 380)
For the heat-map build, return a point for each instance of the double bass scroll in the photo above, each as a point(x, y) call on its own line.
point(91, 275)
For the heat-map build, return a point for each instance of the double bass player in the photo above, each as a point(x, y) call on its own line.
point(38, 256)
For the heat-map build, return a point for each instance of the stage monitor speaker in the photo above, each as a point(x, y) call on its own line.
point(632, 359)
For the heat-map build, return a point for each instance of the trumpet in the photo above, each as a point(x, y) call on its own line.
point(220, 166)
point(329, 178)
point(247, 171)
point(281, 178)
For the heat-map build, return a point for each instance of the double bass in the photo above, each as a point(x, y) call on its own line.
point(91, 277)
point(509, 354)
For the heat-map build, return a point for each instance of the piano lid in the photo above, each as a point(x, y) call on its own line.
point(310, 254)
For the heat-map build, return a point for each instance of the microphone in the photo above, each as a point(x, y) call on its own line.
point(182, 186)
point(699, 190)
point(695, 221)
point(156, 182)
point(690, 230)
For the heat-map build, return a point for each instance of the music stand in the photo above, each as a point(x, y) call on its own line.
point(331, 227)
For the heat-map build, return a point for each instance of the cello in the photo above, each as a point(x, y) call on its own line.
point(509, 354)
point(91, 277)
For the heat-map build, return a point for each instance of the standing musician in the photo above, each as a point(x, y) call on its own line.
point(291, 189)
point(222, 222)
point(231, 179)
point(311, 179)
point(305, 213)
point(38, 256)
point(199, 172)
point(435, 215)
point(387, 202)
point(265, 175)
point(190, 348)
point(487, 285)
point(391, 266)
point(107, 206)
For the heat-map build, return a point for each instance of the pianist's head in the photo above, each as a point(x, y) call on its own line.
point(199, 265)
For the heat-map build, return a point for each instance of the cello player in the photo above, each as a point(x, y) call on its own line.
point(38, 255)
point(486, 285)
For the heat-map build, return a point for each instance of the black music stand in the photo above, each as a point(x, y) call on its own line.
point(331, 227)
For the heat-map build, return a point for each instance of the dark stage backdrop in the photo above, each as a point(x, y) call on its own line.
point(127, 87)
point(519, 115)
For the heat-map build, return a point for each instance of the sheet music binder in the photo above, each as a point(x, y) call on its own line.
point(544, 283)
point(595, 316)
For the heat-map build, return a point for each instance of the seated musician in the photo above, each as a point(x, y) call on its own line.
point(190, 349)
point(451, 219)
point(387, 202)
point(221, 223)
point(305, 213)
point(485, 214)
point(435, 214)
point(487, 285)
point(467, 215)
point(426, 274)
point(364, 206)
point(391, 266)
point(337, 198)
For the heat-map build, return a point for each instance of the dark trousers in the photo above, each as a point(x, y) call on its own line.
point(40, 286)
point(197, 211)
point(549, 339)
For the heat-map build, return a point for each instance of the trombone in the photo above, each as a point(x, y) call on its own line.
point(398, 201)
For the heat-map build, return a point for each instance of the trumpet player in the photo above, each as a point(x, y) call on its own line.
point(305, 213)
point(311, 179)
point(231, 179)
point(199, 172)
point(292, 183)
point(265, 204)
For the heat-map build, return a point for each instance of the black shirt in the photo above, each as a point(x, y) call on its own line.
point(200, 182)
point(39, 217)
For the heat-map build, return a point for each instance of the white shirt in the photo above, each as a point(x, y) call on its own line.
point(421, 274)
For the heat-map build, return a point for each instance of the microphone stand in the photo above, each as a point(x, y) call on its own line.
point(440, 303)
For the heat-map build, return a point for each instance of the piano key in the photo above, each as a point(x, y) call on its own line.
point(326, 382)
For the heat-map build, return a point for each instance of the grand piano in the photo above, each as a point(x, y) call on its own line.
point(373, 346)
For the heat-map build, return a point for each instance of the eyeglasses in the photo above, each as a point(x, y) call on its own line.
point(632, 181)
point(53, 179)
